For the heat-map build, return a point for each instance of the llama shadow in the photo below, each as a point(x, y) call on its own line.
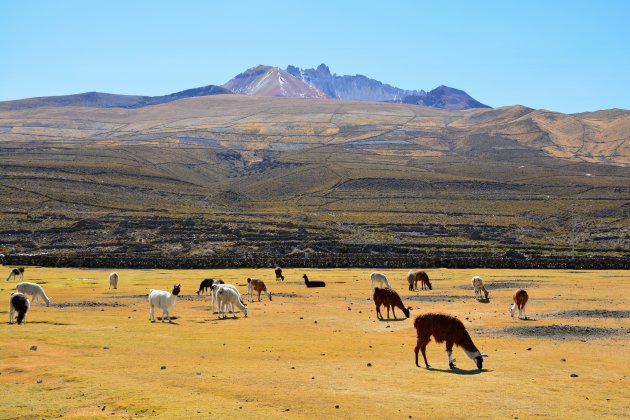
point(229, 318)
point(49, 323)
point(159, 319)
point(525, 319)
point(458, 371)
point(392, 319)
point(484, 300)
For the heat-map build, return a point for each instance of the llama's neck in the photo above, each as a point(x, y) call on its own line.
point(468, 346)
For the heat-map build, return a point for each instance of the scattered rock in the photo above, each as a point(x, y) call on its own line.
point(574, 375)
point(105, 347)
point(33, 348)
point(528, 348)
point(198, 373)
point(369, 364)
point(315, 322)
point(337, 406)
point(39, 381)
point(563, 360)
point(162, 367)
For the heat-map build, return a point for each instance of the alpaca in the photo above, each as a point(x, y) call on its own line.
point(163, 300)
point(520, 299)
point(207, 284)
point(16, 272)
point(388, 297)
point(424, 280)
point(113, 280)
point(215, 293)
point(411, 278)
point(479, 287)
point(33, 289)
point(227, 296)
point(18, 302)
point(279, 275)
point(258, 286)
point(380, 279)
point(313, 283)
point(445, 328)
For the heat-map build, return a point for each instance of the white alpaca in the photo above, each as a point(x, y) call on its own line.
point(477, 284)
point(113, 280)
point(33, 289)
point(18, 302)
point(380, 279)
point(163, 300)
point(215, 290)
point(228, 296)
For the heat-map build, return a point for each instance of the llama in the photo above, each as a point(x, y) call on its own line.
point(258, 286)
point(113, 280)
point(388, 297)
point(520, 299)
point(445, 328)
point(227, 296)
point(411, 278)
point(313, 283)
point(215, 293)
point(380, 279)
point(163, 300)
point(424, 280)
point(16, 272)
point(207, 284)
point(479, 287)
point(279, 275)
point(33, 289)
point(18, 302)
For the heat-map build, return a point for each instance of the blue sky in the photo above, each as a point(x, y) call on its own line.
point(567, 56)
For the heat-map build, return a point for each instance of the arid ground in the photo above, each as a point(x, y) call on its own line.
point(316, 353)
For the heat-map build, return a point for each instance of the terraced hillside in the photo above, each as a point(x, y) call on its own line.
point(216, 175)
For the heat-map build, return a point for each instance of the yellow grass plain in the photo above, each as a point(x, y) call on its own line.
point(315, 353)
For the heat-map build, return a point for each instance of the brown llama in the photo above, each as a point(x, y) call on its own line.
point(387, 298)
point(520, 299)
point(424, 280)
point(258, 286)
point(279, 275)
point(449, 329)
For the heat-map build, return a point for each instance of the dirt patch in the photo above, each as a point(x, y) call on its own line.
point(561, 332)
point(494, 285)
point(434, 298)
point(287, 295)
point(587, 313)
point(87, 304)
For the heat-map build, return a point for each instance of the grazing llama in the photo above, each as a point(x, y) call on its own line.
point(258, 286)
point(215, 293)
point(16, 272)
point(279, 275)
point(423, 278)
point(163, 300)
point(449, 329)
point(380, 279)
point(18, 302)
point(388, 298)
point(35, 290)
point(520, 299)
point(207, 284)
point(227, 296)
point(113, 280)
point(477, 284)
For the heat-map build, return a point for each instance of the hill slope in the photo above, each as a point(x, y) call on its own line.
point(204, 175)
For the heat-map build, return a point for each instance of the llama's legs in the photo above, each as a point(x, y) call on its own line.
point(378, 312)
point(524, 315)
point(422, 345)
point(449, 352)
point(394, 311)
point(11, 310)
point(259, 295)
point(387, 311)
point(151, 317)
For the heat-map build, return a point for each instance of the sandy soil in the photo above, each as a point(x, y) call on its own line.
point(315, 353)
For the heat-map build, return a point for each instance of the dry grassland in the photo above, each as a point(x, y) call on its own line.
point(315, 353)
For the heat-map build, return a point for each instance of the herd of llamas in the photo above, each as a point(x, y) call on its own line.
point(226, 297)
